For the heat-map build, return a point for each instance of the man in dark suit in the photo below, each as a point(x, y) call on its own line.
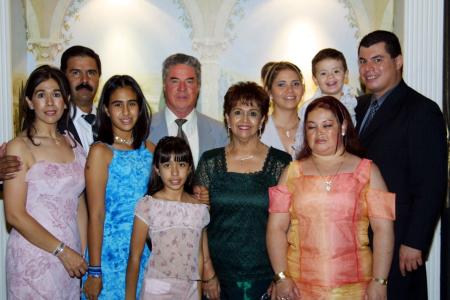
point(181, 86)
point(404, 134)
point(83, 68)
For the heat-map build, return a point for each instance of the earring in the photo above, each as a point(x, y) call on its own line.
point(343, 133)
point(260, 131)
point(228, 131)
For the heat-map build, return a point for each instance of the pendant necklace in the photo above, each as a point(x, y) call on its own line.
point(120, 140)
point(328, 180)
point(287, 132)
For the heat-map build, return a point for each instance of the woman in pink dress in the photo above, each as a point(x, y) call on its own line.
point(317, 234)
point(42, 201)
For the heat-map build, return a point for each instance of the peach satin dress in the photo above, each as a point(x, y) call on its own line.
point(328, 253)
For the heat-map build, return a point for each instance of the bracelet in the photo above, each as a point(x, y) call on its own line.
point(59, 249)
point(381, 281)
point(279, 277)
point(208, 280)
point(95, 271)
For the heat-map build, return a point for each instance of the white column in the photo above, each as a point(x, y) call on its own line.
point(423, 70)
point(6, 119)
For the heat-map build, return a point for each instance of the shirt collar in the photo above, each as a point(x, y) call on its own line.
point(171, 117)
point(382, 98)
point(79, 112)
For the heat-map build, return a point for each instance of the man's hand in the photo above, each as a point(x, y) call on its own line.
point(9, 164)
point(410, 259)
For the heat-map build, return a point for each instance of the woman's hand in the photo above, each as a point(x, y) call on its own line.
point(376, 291)
point(73, 262)
point(92, 287)
point(201, 194)
point(211, 289)
point(285, 290)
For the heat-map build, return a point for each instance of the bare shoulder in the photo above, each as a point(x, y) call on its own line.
point(150, 146)
point(19, 147)
point(99, 152)
point(16, 146)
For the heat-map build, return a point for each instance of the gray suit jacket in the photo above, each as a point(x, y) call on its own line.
point(211, 133)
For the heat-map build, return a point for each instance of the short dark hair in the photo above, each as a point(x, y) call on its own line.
point(141, 128)
point(39, 75)
point(249, 93)
point(182, 59)
point(392, 44)
point(80, 51)
point(328, 53)
point(274, 68)
point(350, 140)
point(166, 148)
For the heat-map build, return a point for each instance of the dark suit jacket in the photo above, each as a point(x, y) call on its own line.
point(211, 133)
point(407, 140)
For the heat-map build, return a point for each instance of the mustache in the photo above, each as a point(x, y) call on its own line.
point(84, 86)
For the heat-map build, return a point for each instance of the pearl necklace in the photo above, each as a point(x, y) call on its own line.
point(120, 140)
point(328, 180)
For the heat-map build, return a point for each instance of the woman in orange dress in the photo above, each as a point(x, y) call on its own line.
point(317, 234)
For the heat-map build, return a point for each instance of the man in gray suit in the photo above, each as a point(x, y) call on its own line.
point(181, 85)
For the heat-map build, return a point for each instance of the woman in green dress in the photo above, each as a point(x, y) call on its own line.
point(236, 263)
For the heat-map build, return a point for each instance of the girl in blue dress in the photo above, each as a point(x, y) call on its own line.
point(117, 175)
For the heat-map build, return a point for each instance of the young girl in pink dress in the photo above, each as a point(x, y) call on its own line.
point(43, 202)
point(174, 222)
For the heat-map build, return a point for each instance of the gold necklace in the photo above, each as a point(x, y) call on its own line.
point(287, 132)
point(242, 159)
point(120, 140)
point(328, 181)
point(56, 140)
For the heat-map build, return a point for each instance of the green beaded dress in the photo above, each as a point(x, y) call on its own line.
point(239, 212)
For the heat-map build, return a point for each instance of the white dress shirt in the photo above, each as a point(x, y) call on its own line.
point(189, 128)
point(84, 129)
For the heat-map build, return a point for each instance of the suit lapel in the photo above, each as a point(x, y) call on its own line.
point(158, 128)
point(205, 138)
point(361, 109)
point(390, 108)
point(73, 130)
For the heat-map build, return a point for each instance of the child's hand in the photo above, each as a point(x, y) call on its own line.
point(93, 287)
point(201, 194)
point(211, 288)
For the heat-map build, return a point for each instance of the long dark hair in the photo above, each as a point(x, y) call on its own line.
point(166, 148)
point(349, 140)
point(141, 129)
point(39, 75)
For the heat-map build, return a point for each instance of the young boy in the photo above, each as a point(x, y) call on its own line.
point(329, 70)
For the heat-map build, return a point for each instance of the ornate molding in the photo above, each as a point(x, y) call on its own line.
point(47, 37)
point(351, 17)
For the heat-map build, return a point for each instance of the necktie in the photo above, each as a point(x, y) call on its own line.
point(180, 132)
point(90, 118)
point(374, 106)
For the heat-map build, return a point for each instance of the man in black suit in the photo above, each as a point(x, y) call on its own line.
point(405, 135)
point(83, 68)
